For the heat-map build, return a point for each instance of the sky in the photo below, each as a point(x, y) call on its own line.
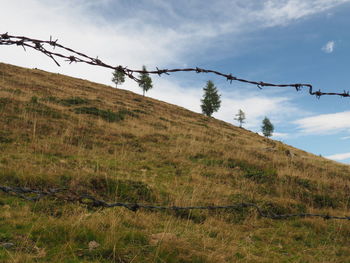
point(278, 41)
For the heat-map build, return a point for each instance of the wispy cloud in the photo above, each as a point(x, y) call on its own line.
point(339, 156)
point(329, 47)
point(282, 12)
point(325, 123)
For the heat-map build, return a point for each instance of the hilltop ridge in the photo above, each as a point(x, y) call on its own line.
point(59, 131)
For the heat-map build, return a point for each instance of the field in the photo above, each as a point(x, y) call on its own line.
point(61, 132)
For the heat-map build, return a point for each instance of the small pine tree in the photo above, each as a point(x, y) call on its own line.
point(240, 117)
point(211, 99)
point(118, 77)
point(267, 127)
point(145, 81)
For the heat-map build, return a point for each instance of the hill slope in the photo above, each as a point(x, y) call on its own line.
point(57, 131)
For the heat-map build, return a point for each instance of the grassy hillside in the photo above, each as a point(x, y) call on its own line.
point(57, 131)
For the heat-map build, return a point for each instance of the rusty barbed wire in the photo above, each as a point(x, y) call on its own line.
point(25, 193)
point(78, 57)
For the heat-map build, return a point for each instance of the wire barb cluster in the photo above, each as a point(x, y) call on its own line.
point(35, 195)
point(71, 56)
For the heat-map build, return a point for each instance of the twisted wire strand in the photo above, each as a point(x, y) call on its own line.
point(79, 57)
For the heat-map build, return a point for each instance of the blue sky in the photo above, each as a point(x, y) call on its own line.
point(278, 41)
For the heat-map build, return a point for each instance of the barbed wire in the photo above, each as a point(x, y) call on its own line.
point(75, 56)
point(35, 195)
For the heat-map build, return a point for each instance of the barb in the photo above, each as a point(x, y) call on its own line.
point(72, 55)
point(25, 193)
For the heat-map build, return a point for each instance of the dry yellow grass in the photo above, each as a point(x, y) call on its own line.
point(57, 131)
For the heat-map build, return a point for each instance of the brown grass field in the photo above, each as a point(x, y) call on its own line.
point(57, 131)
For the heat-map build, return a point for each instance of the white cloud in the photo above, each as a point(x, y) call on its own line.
point(282, 12)
point(339, 156)
point(329, 47)
point(325, 123)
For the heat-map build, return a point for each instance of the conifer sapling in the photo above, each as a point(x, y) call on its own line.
point(211, 99)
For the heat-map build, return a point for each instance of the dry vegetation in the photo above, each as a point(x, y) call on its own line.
point(57, 131)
